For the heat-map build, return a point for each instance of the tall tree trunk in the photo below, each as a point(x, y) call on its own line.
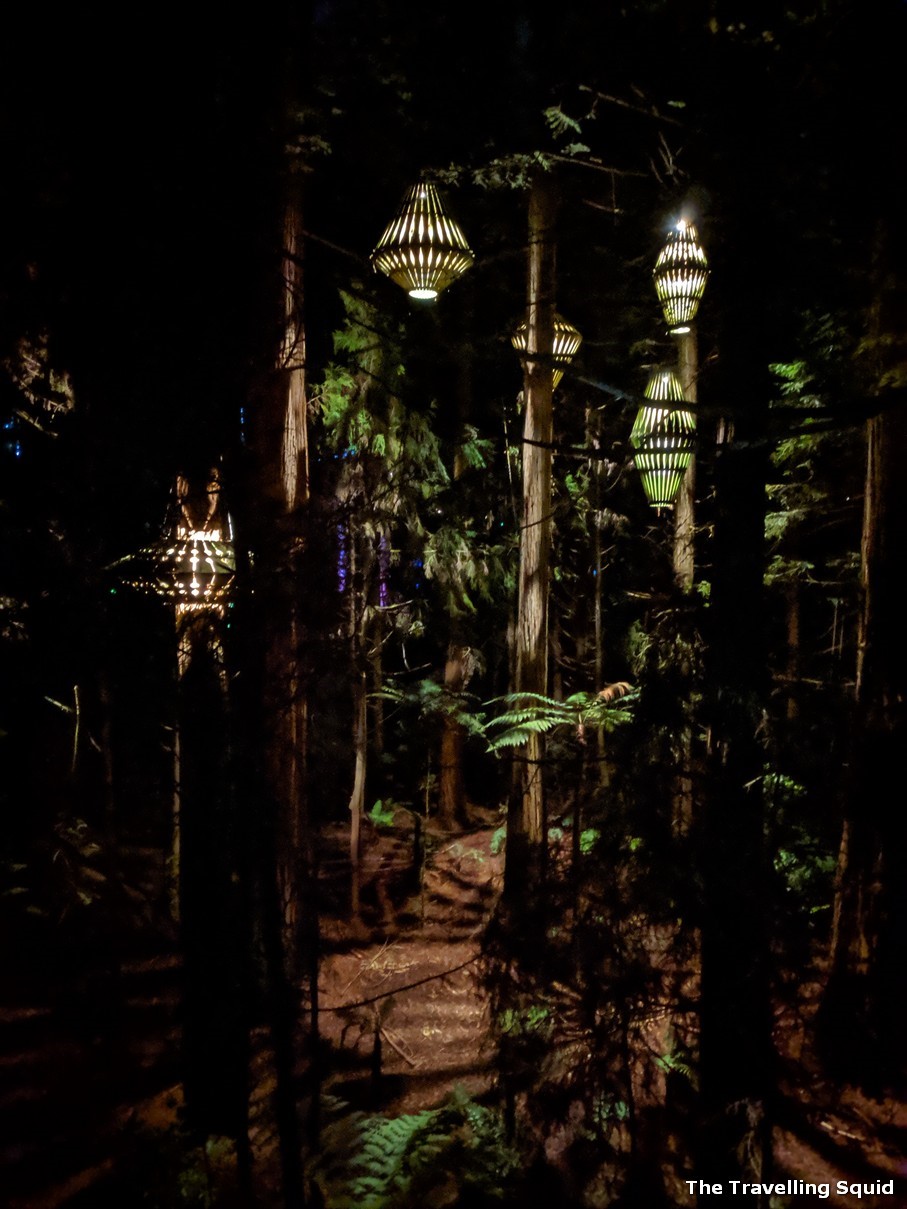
point(684, 509)
point(684, 574)
point(451, 782)
point(735, 1016)
point(289, 489)
point(867, 990)
point(526, 816)
point(215, 1028)
point(458, 665)
point(357, 797)
point(271, 707)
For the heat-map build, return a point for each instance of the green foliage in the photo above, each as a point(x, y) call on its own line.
point(535, 1018)
point(806, 870)
point(679, 1060)
point(511, 171)
point(560, 122)
point(526, 714)
point(588, 838)
point(68, 880)
point(171, 1169)
point(809, 482)
point(432, 702)
point(456, 1153)
point(803, 862)
point(455, 557)
point(382, 814)
point(498, 840)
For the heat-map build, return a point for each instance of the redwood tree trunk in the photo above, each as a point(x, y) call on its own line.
point(867, 990)
point(451, 782)
point(526, 817)
point(735, 1016)
point(684, 509)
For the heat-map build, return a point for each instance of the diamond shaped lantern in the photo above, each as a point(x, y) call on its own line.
point(681, 273)
point(193, 563)
point(423, 249)
point(663, 439)
point(188, 569)
point(567, 340)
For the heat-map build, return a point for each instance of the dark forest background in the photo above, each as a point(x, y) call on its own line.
point(698, 964)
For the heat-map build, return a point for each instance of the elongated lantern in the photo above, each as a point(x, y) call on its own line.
point(566, 343)
point(423, 249)
point(681, 273)
point(663, 439)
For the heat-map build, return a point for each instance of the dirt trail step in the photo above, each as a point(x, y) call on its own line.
point(421, 988)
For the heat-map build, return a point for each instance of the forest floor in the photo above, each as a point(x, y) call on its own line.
point(410, 968)
point(76, 1079)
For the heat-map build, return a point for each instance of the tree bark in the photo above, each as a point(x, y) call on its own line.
point(735, 1016)
point(452, 806)
point(684, 509)
point(526, 817)
point(867, 990)
point(451, 782)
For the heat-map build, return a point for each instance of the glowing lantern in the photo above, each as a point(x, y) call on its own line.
point(194, 568)
point(193, 564)
point(423, 249)
point(663, 439)
point(566, 342)
point(681, 273)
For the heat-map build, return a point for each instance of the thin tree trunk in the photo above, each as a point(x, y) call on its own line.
point(452, 806)
point(526, 820)
point(792, 594)
point(736, 1050)
point(684, 509)
point(451, 783)
point(684, 574)
point(357, 797)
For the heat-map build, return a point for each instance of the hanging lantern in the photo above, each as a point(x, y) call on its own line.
point(194, 568)
point(193, 564)
point(663, 439)
point(423, 249)
point(681, 273)
point(566, 343)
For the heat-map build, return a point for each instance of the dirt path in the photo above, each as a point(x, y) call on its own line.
point(419, 984)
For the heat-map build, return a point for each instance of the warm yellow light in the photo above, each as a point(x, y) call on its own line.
point(200, 568)
point(663, 439)
point(567, 340)
point(680, 274)
point(423, 249)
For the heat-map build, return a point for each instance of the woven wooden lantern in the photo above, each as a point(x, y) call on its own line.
point(567, 340)
point(681, 273)
point(663, 439)
point(423, 249)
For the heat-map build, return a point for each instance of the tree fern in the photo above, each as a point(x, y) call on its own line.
point(378, 1162)
point(533, 713)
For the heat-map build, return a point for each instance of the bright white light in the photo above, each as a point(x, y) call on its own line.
point(679, 331)
point(681, 224)
point(429, 294)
